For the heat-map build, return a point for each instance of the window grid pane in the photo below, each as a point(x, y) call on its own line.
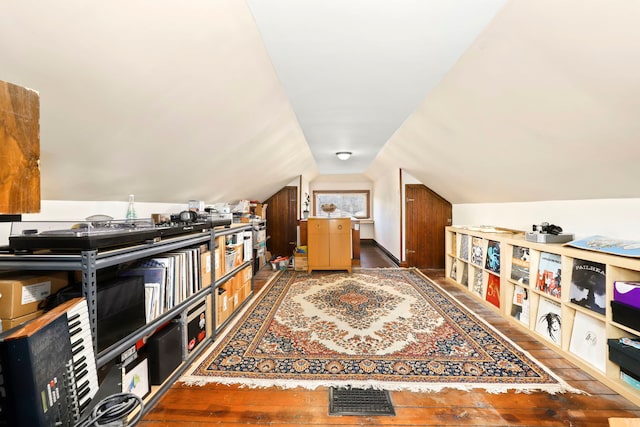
point(348, 203)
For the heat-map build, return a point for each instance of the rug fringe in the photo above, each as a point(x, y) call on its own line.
point(197, 381)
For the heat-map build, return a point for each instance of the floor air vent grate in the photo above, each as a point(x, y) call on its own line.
point(353, 401)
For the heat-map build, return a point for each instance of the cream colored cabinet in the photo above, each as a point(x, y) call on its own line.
point(329, 244)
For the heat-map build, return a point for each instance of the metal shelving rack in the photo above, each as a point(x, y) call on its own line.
point(218, 281)
point(90, 261)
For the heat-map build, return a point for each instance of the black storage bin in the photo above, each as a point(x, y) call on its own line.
point(626, 356)
point(625, 315)
point(164, 349)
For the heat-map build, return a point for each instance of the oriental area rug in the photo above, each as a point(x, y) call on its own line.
point(388, 328)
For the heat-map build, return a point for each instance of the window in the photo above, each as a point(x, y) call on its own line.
point(353, 203)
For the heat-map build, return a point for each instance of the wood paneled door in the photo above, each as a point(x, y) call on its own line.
point(427, 214)
point(282, 221)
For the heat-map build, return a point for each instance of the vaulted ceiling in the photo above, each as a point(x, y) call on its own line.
point(483, 101)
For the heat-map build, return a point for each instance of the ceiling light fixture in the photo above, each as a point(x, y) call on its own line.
point(343, 155)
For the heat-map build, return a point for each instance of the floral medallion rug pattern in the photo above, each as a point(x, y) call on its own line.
point(379, 328)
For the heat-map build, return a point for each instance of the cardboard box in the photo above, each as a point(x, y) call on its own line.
point(20, 294)
point(10, 323)
point(223, 303)
point(205, 268)
point(261, 210)
point(300, 262)
point(627, 293)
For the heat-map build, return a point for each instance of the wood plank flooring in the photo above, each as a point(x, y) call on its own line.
point(231, 406)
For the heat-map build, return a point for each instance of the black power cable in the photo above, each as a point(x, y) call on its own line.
point(114, 410)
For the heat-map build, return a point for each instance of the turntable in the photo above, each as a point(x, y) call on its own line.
point(76, 236)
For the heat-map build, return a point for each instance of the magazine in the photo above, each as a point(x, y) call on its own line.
point(520, 265)
point(464, 280)
point(549, 274)
point(588, 285)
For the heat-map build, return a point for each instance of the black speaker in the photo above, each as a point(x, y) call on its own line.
point(164, 349)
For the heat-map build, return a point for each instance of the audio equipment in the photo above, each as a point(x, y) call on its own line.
point(47, 368)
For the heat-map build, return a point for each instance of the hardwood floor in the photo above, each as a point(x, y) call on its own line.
point(230, 406)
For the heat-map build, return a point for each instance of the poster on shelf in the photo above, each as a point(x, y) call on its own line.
point(549, 320)
point(493, 257)
point(476, 251)
point(464, 247)
point(589, 340)
point(588, 281)
point(493, 290)
point(520, 265)
point(628, 248)
point(549, 274)
point(520, 304)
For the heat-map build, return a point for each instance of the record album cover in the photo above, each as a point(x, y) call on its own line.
point(476, 251)
point(520, 304)
point(477, 282)
point(588, 285)
point(464, 247)
point(549, 275)
point(549, 320)
point(492, 262)
point(493, 290)
point(520, 265)
point(589, 340)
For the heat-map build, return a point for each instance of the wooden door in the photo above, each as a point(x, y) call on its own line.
point(427, 214)
point(282, 222)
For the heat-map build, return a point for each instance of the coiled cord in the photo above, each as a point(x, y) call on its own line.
point(113, 411)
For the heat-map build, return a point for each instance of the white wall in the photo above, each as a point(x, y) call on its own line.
point(616, 218)
point(347, 182)
point(386, 211)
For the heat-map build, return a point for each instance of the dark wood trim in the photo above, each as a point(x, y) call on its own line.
point(401, 214)
point(367, 192)
point(387, 253)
